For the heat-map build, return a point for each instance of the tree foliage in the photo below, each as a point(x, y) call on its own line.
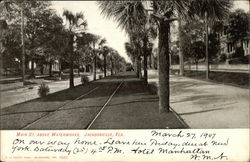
point(238, 25)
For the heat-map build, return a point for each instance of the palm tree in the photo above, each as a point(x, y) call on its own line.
point(94, 41)
point(104, 50)
point(111, 57)
point(164, 13)
point(136, 42)
point(211, 11)
point(88, 42)
point(73, 20)
point(133, 49)
point(130, 52)
point(148, 32)
point(132, 17)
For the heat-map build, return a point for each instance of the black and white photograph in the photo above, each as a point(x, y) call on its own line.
point(124, 65)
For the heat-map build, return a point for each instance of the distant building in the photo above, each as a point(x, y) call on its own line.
point(228, 47)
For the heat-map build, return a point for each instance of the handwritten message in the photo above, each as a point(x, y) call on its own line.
point(189, 145)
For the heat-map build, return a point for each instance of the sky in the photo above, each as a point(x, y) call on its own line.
point(97, 23)
point(107, 28)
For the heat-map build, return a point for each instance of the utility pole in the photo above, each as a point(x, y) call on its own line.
point(23, 46)
point(94, 61)
point(181, 59)
point(207, 57)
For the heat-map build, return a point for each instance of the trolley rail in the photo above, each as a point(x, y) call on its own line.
point(57, 109)
point(60, 108)
point(103, 107)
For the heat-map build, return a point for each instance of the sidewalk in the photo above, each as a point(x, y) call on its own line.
point(13, 79)
point(204, 105)
point(22, 94)
point(15, 83)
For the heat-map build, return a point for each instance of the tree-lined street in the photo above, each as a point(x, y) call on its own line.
point(133, 101)
point(122, 97)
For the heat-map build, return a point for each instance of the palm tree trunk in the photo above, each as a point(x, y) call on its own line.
point(145, 61)
point(150, 61)
point(164, 94)
point(32, 75)
point(207, 57)
point(23, 47)
point(105, 66)
point(50, 68)
point(78, 70)
point(41, 69)
point(112, 65)
point(137, 66)
point(145, 68)
point(60, 68)
point(94, 68)
point(71, 62)
point(71, 72)
point(196, 63)
point(181, 59)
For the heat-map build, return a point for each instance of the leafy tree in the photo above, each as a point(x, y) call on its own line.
point(85, 47)
point(238, 26)
point(210, 11)
point(197, 52)
point(41, 27)
point(119, 62)
point(213, 46)
point(192, 31)
point(57, 43)
point(16, 11)
point(12, 47)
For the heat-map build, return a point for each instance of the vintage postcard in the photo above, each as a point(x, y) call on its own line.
point(124, 80)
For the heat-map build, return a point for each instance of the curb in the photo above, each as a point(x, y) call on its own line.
point(215, 82)
point(179, 118)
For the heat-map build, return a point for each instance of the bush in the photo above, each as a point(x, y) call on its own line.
point(239, 52)
point(84, 79)
point(240, 60)
point(100, 76)
point(222, 57)
point(153, 89)
point(43, 90)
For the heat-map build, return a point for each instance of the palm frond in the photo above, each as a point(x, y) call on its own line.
point(214, 9)
point(74, 19)
point(128, 14)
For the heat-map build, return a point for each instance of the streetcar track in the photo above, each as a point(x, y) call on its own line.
point(103, 107)
point(58, 109)
point(43, 111)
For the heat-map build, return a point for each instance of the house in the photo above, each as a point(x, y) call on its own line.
point(228, 47)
